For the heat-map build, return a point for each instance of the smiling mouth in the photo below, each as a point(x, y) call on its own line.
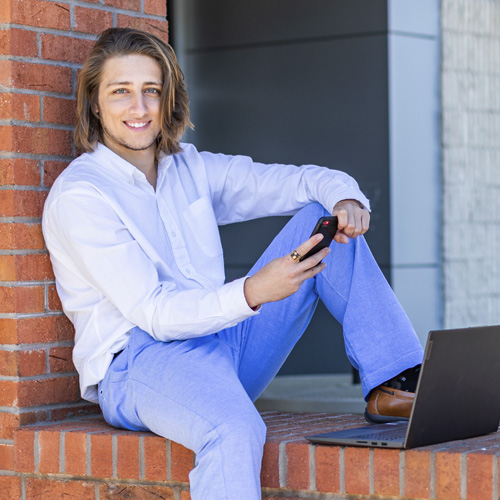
point(136, 124)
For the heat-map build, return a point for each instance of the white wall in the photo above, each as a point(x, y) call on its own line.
point(471, 161)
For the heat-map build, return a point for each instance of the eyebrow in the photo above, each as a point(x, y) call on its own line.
point(112, 84)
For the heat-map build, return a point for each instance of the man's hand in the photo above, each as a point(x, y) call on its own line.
point(283, 276)
point(354, 220)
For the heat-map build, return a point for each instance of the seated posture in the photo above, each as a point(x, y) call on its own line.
point(162, 342)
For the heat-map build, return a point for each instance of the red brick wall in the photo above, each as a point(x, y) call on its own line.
point(42, 44)
point(86, 459)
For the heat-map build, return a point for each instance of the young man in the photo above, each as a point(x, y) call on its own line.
point(162, 343)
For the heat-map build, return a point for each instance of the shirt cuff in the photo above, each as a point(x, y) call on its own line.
point(233, 301)
point(348, 194)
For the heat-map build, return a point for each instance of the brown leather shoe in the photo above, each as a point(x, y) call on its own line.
point(386, 404)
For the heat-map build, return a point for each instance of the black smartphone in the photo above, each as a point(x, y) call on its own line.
point(327, 226)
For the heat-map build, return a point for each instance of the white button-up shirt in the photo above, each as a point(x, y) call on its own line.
point(126, 255)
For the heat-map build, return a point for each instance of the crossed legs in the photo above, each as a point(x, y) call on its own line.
point(379, 338)
point(199, 392)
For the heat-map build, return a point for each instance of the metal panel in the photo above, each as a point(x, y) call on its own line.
point(222, 23)
point(323, 103)
point(306, 99)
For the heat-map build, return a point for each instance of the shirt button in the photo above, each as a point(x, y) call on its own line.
point(174, 234)
point(188, 271)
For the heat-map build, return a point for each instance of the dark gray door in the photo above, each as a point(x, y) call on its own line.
point(297, 82)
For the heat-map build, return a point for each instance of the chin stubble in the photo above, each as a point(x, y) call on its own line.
point(124, 144)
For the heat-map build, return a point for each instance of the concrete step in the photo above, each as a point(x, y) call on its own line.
point(331, 393)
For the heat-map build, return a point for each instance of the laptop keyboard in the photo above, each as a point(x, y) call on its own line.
point(384, 435)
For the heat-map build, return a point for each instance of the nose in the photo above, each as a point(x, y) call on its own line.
point(138, 106)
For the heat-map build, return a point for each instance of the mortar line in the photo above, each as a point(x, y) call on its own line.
point(36, 451)
point(312, 467)
point(62, 452)
point(371, 473)
point(463, 476)
point(23, 488)
point(342, 469)
point(114, 454)
point(433, 475)
point(169, 459)
point(402, 466)
point(282, 464)
point(89, 455)
point(142, 467)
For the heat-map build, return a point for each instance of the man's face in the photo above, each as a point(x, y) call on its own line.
point(129, 105)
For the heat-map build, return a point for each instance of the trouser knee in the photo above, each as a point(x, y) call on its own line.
point(241, 432)
point(313, 211)
point(248, 428)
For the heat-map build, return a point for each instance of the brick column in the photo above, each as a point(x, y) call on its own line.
point(42, 45)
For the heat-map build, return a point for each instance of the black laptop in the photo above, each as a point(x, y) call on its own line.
point(457, 396)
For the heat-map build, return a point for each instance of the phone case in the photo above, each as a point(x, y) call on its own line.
point(327, 226)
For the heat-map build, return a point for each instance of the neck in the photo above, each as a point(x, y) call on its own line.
point(144, 160)
point(149, 167)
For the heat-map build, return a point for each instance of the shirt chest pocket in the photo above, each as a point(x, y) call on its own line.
point(200, 219)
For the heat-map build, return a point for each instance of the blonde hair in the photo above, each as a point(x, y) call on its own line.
point(174, 107)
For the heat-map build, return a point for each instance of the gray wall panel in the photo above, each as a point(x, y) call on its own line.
point(293, 82)
point(301, 103)
point(221, 23)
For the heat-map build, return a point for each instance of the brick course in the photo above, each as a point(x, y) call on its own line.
point(86, 455)
point(18, 42)
point(20, 172)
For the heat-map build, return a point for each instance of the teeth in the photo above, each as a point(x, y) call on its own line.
point(137, 125)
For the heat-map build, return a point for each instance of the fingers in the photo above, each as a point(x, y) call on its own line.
point(313, 271)
point(341, 237)
point(353, 219)
point(350, 221)
point(303, 248)
point(365, 221)
point(309, 267)
point(282, 277)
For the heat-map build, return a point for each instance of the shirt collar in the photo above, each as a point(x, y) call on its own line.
point(121, 167)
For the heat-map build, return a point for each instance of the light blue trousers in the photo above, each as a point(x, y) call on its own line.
point(200, 392)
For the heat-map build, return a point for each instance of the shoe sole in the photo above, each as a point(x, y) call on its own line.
point(382, 419)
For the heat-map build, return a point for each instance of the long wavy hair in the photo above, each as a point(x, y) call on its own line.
point(174, 107)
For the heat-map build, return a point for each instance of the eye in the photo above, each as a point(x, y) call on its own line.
point(152, 91)
point(120, 91)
